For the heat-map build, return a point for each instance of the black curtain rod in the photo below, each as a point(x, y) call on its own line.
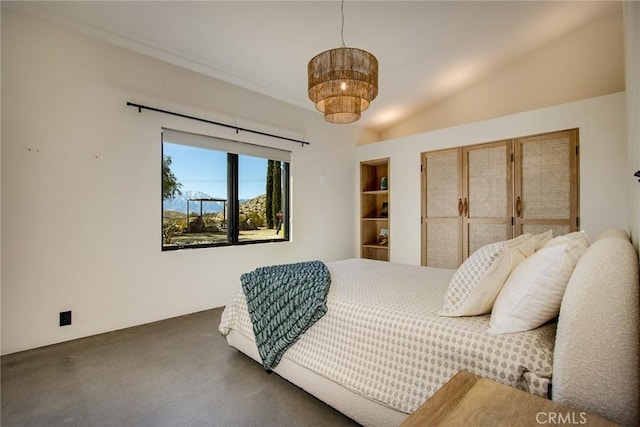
point(140, 107)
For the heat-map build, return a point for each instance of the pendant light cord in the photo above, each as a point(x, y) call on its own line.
point(342, 28)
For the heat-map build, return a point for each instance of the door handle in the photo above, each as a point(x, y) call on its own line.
point(518, 207)
point(460, 207)
point(466, 207)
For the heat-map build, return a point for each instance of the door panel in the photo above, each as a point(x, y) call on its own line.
point(443, 244)
point(487, 205)
point(558, 229)
point(487, 182)
point(546, 183)
point(442, 185)
point(481, 234)
point(442, 208)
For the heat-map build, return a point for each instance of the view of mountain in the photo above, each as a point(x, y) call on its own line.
point(179, 203)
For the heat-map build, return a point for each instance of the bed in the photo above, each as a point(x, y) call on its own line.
point(382, 348)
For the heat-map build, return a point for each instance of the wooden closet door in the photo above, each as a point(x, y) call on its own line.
point(546, 183)
point(442, 208)
point(487, 195)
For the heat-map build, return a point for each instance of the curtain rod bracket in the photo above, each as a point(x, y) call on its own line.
point(238, 129)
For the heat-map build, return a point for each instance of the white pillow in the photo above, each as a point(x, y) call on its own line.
point(542, 238)
point(576, 235)
point(477, 282)
point(532, 294)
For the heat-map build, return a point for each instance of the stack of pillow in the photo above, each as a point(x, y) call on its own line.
point(521, 281)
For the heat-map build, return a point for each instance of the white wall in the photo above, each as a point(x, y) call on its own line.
point(0, 189)
point(81, 201)
point(632, 50)
point(603, 164)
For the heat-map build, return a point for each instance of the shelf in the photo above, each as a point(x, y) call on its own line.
point(375, 246)
point(374, 209)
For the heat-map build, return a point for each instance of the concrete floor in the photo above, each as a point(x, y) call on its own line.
point(178, 372)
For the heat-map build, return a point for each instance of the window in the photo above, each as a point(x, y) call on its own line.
point(219, 192)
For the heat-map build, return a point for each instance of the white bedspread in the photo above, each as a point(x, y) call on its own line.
point(382, 337)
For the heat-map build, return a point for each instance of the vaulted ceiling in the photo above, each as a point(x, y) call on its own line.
point(427, 50)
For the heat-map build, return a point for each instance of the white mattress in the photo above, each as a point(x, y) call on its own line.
point(383, 340)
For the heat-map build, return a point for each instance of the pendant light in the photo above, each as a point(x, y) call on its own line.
point(343, 81)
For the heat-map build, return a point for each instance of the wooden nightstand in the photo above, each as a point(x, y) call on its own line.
point(470, 400)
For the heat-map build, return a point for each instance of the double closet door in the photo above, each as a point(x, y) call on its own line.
point(479, 194)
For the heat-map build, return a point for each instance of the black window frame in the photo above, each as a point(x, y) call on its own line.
point(233, 204)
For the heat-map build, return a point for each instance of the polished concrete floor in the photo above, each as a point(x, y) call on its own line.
point(178, 372)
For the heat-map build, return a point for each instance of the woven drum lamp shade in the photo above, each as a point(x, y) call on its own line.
point(342, 83)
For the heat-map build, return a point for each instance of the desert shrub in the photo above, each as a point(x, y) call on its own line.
point(258, 219)
point(170, 228)
point(251, 221)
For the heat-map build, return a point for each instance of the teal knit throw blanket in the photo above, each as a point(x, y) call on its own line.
point(284, 301)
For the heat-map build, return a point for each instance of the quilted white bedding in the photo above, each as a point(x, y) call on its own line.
point(382, 337)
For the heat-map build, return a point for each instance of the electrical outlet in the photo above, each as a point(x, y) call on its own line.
point(65, 318)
